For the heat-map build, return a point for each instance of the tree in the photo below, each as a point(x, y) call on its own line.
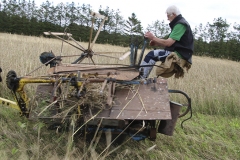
point(218, 29)
point(118, 22)
point(159, 29)
point(70, 13)
point(46, 12)
point(133, 26)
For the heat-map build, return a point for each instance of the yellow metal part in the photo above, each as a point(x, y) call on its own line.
point(9, 103)
point(79, 84)
point(24, 81)
point(27, 80)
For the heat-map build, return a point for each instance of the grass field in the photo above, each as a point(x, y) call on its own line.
point(212, 133)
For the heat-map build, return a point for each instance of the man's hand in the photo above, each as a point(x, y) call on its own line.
point(152, 43)
point(149, 35)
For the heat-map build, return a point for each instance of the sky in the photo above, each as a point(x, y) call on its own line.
point(194, 11)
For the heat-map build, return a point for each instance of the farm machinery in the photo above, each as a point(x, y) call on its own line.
point(97, 97)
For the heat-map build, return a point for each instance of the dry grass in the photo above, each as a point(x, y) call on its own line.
point(213, 85)
point(213, 132)
point(21, 53)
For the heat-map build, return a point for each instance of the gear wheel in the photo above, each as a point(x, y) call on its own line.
point(12, 84)
point(48, 58)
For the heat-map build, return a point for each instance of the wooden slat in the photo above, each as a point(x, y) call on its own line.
point(127, 74)
point(154, 96)
point(57, 33)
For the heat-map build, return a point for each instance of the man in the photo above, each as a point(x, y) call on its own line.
point(180, 41)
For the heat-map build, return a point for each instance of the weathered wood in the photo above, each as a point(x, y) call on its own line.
point(95, 14)
point(57, 33)
point(97, 70)
point(125, 55)
point(148, 102)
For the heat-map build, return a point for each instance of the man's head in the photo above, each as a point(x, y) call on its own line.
point(172, 12)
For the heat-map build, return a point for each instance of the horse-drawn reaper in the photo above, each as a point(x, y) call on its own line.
point(97, 97)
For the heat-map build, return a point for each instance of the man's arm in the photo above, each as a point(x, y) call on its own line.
point(176, 34)
point(161, 42)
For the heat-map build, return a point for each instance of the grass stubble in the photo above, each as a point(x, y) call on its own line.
point(212, 133)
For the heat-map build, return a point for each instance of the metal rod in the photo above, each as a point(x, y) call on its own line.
point(143, 49)
point(65, 41)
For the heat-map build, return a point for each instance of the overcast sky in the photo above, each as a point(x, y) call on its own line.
point(194, 11)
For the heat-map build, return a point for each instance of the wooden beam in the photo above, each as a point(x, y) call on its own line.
point(57, 33)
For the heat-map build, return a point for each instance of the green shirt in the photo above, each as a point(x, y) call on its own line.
point(177, 33)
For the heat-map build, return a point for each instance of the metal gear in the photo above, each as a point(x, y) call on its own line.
point(11, 80)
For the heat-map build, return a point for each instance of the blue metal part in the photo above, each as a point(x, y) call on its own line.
point(138, 137)
point(131, 55)
point(135, 55)
point(143, 49)
point(129, 82)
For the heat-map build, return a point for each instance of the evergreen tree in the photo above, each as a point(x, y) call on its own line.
point(159, 29)
point(133, 26)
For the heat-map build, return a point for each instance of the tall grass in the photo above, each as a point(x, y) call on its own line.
point(212, 133)
point(213, 85)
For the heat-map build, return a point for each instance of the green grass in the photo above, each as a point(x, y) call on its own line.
point(203, 137)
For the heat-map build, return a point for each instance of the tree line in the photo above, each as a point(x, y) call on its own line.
point(217, 39)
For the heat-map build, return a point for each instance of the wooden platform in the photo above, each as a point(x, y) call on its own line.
point(144, 102)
